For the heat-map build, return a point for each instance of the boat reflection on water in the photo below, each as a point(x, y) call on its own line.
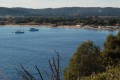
point(19, 32)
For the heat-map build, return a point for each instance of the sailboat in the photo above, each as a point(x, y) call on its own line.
point(19, 31)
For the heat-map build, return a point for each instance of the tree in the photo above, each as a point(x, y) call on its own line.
point(111, 52)
point(111, 42)
point(84, 62)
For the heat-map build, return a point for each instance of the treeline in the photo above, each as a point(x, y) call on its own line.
point(88, 62)
point(93, 21)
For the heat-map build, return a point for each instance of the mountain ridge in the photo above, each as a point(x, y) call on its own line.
point(60, 12)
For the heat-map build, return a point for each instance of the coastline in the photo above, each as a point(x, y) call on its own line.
point(111, 28)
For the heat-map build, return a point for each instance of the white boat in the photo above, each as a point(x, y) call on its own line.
point(33, 29)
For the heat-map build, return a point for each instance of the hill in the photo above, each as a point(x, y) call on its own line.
point(61, 12)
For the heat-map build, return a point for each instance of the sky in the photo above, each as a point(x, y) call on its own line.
point(38, 4)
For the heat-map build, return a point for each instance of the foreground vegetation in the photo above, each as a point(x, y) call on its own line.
point(112, 73)
point(89, 59)
point(89, 62)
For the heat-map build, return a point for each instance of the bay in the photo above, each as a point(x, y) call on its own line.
point(36, 48)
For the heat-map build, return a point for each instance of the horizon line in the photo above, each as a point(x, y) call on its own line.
point(58, 7)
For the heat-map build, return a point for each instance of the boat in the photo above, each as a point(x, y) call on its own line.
point(19, 32)
point(33, 29)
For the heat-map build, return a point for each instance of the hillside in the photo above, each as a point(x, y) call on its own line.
point(61, 12)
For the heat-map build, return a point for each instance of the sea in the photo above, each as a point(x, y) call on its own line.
point(36, 48)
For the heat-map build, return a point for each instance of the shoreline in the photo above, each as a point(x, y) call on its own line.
point(111, 28)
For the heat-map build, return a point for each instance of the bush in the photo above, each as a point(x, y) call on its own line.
point(112, 73)
point(84, 62)
point(111, 52)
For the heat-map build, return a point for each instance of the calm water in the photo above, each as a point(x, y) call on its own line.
point(35, 48)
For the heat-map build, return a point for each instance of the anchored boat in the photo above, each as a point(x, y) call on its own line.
point(33, 29)
point(19, 31)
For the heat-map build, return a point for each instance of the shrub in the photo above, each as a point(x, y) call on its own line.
point(84, 62)
point(111, 52)
point(112, 73)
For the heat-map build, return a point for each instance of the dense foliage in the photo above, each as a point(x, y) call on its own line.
point(88, 59)
point(92, 21)
point(111, 51)
point(112, 73)
point(84, 62)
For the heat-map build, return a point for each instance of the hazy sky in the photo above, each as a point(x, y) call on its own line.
point(59, 3)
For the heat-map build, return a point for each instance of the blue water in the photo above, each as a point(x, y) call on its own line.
point(35, 48)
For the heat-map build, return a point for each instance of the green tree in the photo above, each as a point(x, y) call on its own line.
point(111, 42)
point(111, 52)
point(84, 62)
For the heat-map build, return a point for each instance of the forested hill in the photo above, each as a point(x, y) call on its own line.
point(61, 12)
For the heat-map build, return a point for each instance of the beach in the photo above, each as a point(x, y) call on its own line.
point(67, 26)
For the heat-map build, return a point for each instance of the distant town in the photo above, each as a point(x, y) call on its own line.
point(94, 22)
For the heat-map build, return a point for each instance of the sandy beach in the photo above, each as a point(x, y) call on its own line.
point(66, 26)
